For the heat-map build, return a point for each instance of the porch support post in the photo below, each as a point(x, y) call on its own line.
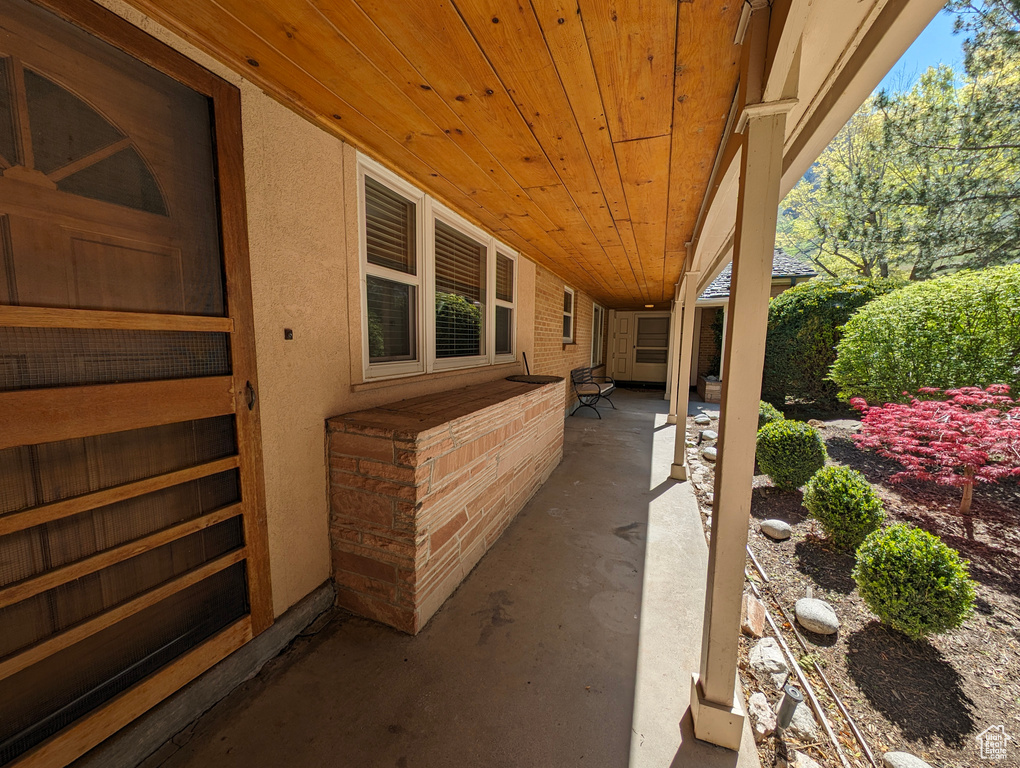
point(674, 356)
point(715, 705)
point(681, 382)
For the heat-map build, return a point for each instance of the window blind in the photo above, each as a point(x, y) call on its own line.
point(389, 228)
point(460, 293)
point(504, 278)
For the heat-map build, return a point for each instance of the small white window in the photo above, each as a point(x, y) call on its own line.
point(505, 287)
point(438, 293)
point(568, 315)
point(598, 318)
point(391, 232)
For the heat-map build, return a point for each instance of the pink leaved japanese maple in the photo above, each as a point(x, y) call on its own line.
point(954, 437)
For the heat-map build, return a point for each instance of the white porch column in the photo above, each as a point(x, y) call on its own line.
point(674, 357)
point(681, 382)
point(717, 713)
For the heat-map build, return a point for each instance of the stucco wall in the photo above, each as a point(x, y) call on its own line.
point(300, 185)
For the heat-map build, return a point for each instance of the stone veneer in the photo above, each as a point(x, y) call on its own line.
point(420, 489)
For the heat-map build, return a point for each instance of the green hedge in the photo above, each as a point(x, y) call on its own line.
point(767, 413)
point(913, 582)
point(789, 452)
point(845, 505)
point(804, 327)
point(955, 331)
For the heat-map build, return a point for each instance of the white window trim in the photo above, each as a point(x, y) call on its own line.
point(571, 314)
point(511, 305)
point(598, 330)
point(427, 212)
point(389, 179)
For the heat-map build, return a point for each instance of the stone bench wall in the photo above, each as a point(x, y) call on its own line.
point(422, 488)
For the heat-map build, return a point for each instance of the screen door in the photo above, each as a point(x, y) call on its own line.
point(132, 544)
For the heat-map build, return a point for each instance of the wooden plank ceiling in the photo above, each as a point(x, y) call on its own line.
point(582, 132)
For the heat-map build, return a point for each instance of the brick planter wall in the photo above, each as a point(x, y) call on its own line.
point(422, 488)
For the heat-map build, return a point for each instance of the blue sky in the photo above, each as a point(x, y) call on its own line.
point(936, 45)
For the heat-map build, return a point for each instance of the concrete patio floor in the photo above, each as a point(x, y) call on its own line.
point(571, 643)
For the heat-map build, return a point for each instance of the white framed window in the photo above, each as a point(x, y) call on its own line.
point(438, 293)
point(598, 322)
point(568, 315)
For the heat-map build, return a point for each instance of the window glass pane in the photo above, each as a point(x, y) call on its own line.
point(8, 143)
point(460, 294)
point(64, 128)
point(596, 336)
point(389, 228)
point(391, 325)
point(568, 302)
point(653, 332)
point(566, 326)
point(504, 278)
point(504, 331)
point(122, 178)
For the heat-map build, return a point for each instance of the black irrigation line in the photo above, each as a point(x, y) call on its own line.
point(818, 670)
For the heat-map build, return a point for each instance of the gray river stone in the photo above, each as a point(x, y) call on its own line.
point(902, 760)
point(779, 530)
point(816, 616)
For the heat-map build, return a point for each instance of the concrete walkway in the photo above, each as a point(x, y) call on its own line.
point(571, 643)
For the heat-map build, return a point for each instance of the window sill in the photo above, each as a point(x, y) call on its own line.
point(415, 378)
point(568, 344)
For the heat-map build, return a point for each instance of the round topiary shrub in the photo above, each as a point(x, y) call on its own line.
point(768, 413)
point(805, 323)
point(913, 582)
point(845, 504)
point(789, 452)
point(961, 330)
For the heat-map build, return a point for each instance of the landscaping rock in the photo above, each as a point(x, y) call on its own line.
point(752, 616)
point(702, 420)
point(709, 434)
point(816, 423)
point(797, 760)
point(779, 530)
point(902, 760)
point(763, 719)
point(710, 500)
point(766, 659)
point(710, 453)
point(816, 616)
point(803, 726)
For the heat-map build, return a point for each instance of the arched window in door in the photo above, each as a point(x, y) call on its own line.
point(53, 138)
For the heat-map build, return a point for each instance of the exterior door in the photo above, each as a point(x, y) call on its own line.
point(621, 346)
point(132, 540)
point(651, 346)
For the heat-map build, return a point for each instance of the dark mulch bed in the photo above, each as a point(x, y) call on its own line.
point(931, 698)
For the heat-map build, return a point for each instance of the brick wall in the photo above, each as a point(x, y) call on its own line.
point(707, 348)
point(552, 356)
point(422, 488)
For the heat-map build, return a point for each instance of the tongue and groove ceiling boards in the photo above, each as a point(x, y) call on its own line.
point(583, 133)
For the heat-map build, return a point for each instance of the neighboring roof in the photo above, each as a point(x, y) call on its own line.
point(782, 266)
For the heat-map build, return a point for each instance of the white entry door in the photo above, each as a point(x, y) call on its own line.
point(651, 346)
point(622, 346)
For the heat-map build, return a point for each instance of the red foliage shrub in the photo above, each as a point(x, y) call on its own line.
point(956, 437)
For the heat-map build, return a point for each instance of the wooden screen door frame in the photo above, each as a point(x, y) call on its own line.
point(36, 417)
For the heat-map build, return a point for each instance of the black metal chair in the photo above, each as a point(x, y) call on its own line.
point(590, 389)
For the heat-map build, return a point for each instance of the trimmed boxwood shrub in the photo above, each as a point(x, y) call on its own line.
point(913, 582)
point(767, 413)
point(845, 505)
point(805, 323)
point(789, 452)
point(961, 330)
